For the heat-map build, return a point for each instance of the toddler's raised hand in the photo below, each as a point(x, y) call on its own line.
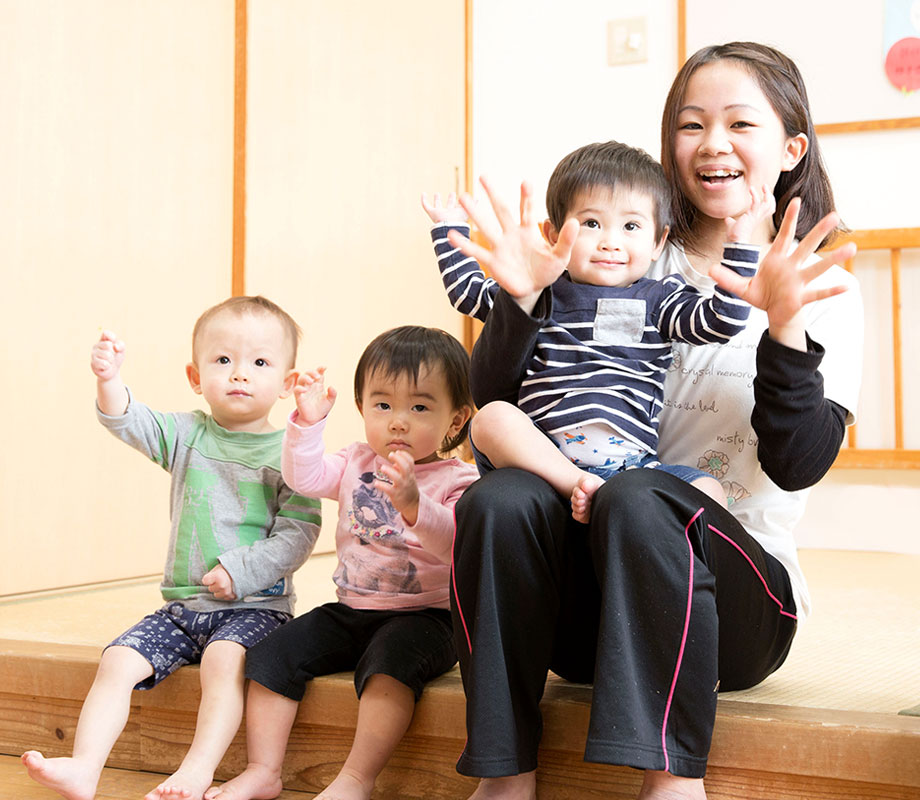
point(107, 356)
point(219, 583)
point(521, 260)
point(314, 399)
point(451, 211)
point(763, 204)
point(400, 486)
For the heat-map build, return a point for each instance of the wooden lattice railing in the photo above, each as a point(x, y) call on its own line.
point(898, 457)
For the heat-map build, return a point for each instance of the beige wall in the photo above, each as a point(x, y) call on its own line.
point(116, 160)
point(351, 116)
point(116, 156)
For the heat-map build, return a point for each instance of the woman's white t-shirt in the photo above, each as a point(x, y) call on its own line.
point(708, 399)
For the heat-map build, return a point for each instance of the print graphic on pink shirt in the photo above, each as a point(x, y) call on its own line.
point(375, 523)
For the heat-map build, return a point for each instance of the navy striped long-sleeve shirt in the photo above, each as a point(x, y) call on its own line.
point(603, 354)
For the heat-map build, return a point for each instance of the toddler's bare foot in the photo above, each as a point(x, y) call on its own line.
point(346, 787)
point(68, 777)
point(665, 786)
point(256, 782)
point(182, 785)
point(513, 787)
point(583, 494)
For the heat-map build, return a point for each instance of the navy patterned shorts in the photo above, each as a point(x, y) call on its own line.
point(174, 636)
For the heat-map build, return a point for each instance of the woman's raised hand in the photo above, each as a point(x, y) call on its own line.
point(781, 284)
point(521, 260)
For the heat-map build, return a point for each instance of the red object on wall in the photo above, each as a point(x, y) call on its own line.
point(902, 65)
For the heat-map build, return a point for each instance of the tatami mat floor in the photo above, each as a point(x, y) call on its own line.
point(859, 650)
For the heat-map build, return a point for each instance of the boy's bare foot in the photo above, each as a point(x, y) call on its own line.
point(256, 782)
point(583, 494)
point(68, 777)
point(346, 787)
point(665, 786)
point(513, 787)
point(181, 785)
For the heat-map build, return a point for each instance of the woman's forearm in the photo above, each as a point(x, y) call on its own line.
point(799, 430)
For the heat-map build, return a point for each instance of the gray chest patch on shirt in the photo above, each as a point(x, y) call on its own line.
point(619, 320)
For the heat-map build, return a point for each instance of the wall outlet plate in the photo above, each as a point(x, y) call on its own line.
point(627, 41)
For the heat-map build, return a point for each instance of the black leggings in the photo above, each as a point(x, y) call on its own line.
point(620, 603)
point(413, 647)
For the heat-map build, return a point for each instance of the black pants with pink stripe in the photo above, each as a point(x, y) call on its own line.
point(660, 601)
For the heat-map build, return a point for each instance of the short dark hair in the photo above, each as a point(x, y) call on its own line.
point(781, 82)
point(255, 304)
point(403, 351)
point(611, 165)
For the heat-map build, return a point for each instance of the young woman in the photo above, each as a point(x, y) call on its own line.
point(665, 597)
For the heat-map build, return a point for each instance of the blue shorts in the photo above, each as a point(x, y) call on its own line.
point(687, 474)
point(173, 636)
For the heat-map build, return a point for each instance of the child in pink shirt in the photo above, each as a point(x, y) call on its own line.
point(391, 623)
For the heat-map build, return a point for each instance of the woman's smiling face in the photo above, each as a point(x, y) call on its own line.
point(730, 140)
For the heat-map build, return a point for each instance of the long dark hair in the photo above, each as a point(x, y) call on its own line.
point(781, 82)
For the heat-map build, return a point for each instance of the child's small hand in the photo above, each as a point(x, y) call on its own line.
point(521, 260)
point(219, 583)
point(763, 204)
point(107, 356)
point(451, 211)
point(314, 399)
point(402, 490)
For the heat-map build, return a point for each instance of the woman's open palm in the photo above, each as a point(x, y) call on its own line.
point(780, 286)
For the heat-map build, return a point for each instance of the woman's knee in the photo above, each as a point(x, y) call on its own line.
point(628, 491)
point(637, 505)
point(509, 516)
point(504, 499)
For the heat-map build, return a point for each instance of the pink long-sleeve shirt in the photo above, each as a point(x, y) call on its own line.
point(384, 563)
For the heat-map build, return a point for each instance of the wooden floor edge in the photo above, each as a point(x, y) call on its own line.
point(778, 739)
point(577, 696)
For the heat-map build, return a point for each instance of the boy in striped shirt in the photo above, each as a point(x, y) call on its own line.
point(589, 402)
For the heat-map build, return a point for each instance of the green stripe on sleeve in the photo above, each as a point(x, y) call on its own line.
point(167, 435)
point(306, 509)
point(181, 592)
point(303, 516)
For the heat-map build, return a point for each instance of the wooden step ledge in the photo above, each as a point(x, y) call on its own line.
point(115, 784)
point(759, 750)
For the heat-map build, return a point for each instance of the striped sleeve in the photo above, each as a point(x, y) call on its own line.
point(687, 316)
point(468, 288)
